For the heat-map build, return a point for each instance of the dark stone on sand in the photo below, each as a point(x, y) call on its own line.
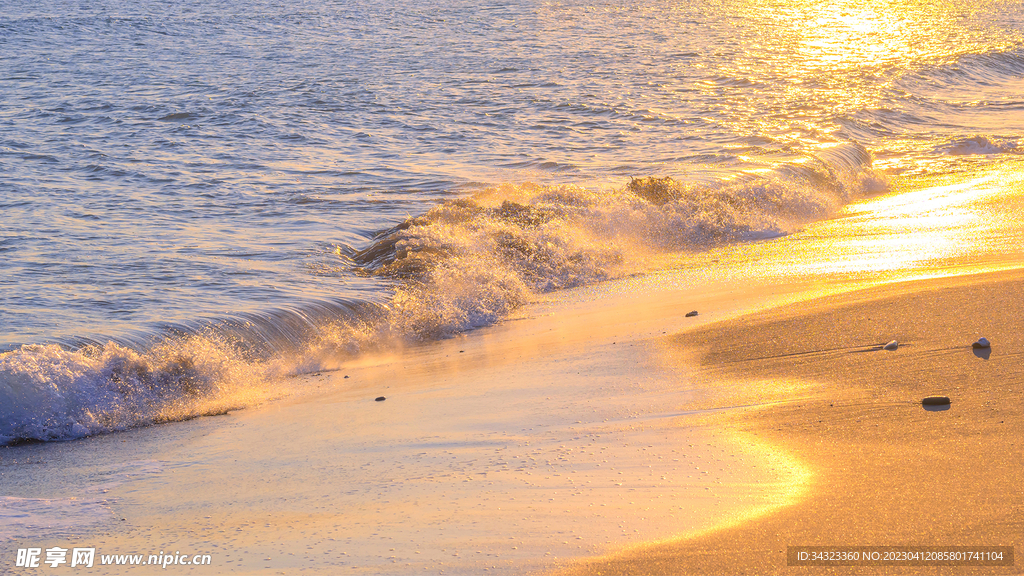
point(935, 401)
point(691, 314)
point(379, 399)
point(346, 375)
point(891, 345)
point(982, 343)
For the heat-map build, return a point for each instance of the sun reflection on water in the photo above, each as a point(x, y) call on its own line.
point(956, 222)
point(814, 61)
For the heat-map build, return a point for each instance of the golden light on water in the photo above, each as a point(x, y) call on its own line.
point(852, 38)
point(820, 72)
point(826, 37)
point(958, 222)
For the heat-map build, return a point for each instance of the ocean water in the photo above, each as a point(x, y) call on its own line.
point(199, 199)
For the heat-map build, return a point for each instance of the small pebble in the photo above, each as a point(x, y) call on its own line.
point(982, 343)
point(379, 399)
point(346, 375)
point(891, 345)
point(935, 401)
point(691, 314)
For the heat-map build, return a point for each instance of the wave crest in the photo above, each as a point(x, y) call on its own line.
point(50, 393)
point(463, 264)
point(979, 145)
point(469, 262)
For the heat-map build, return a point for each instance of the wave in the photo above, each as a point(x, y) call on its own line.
point(980, 145)
point(980, 70)
point(463, 264)
point(949, 99)
point(50, 393)
point(85, 386)
point(468, 262)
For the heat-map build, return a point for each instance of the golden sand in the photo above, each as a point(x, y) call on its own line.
point(883, 470)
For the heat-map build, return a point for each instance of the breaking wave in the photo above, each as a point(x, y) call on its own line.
point(980, 145)
point(463, 264)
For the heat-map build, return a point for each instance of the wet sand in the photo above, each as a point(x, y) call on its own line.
point(604, 421)
point(884, 471)
point(551, 437)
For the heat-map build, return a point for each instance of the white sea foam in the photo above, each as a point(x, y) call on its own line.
point(468, 262)
point(49, 393)
point(463, 264)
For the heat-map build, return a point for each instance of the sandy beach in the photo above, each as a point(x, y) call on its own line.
point(554, 288)
point(604, 430)
point(554, 436)
point(884, 471)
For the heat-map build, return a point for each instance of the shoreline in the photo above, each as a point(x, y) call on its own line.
point(515, 446)
point(478, 432)
point(886, 471)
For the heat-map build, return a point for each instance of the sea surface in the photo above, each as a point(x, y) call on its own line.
point(200, 199)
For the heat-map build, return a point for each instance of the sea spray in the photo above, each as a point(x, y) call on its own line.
point(468, 262)
point(463, 264)
point(50, 393)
